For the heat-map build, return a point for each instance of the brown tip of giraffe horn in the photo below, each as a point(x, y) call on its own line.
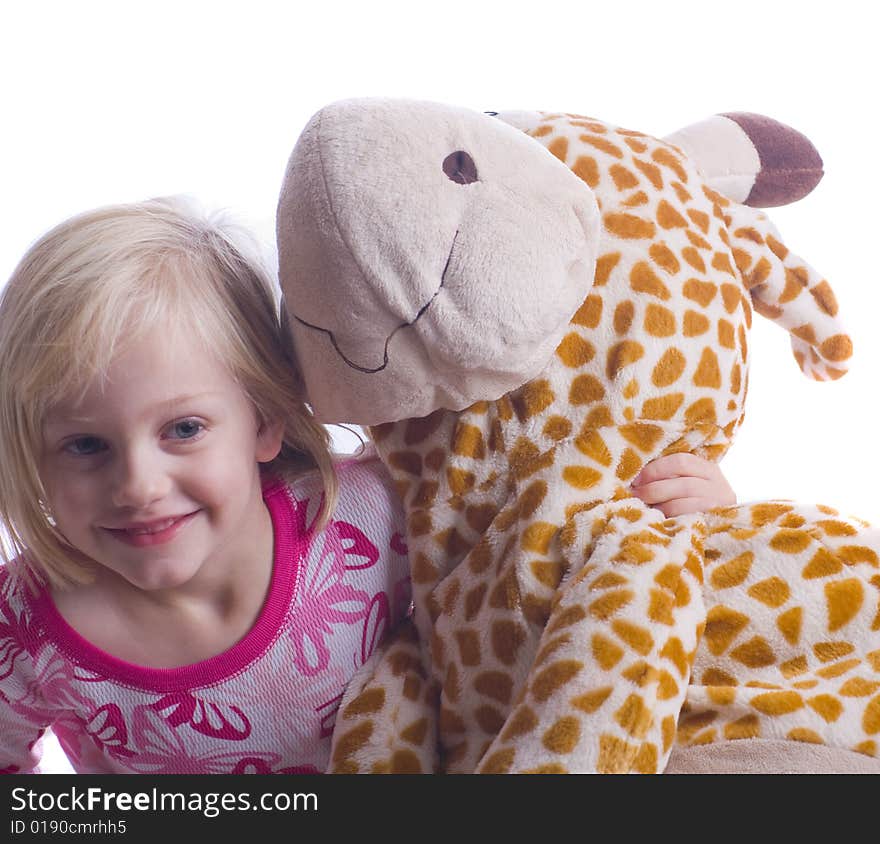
point(790, 165)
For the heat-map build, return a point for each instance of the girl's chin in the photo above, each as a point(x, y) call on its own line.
point(159, 578)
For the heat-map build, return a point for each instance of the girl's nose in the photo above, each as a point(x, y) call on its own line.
point(140, 479)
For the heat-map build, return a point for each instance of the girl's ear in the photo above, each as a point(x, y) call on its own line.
point(270, 437)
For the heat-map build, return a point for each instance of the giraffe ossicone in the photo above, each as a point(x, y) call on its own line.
point(593, 315)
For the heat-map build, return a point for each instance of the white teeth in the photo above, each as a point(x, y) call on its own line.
point(156, 528)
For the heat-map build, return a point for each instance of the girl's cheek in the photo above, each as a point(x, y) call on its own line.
point(74, 493)
point(207, 479)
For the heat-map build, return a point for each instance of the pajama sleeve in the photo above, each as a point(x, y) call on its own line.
point(23, 718)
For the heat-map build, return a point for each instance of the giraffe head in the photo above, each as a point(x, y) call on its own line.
point(438, 258)
point(404, 230)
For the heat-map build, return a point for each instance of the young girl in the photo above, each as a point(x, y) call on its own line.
point(177, 598)
point(179, 601)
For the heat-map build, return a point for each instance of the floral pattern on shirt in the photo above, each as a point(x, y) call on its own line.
point(272, 712)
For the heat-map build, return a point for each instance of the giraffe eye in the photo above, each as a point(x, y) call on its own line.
point(460, 167)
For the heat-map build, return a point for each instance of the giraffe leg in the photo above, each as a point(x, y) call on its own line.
point(791, 651)
point(387, 719)
point(614, 660)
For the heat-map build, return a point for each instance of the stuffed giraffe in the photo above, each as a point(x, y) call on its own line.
point(527, 308)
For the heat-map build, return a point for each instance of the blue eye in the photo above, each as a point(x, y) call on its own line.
point(84, 446)
point(185, 429)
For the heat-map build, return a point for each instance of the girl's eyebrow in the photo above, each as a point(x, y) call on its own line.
point(186, 397)
point(60, 418)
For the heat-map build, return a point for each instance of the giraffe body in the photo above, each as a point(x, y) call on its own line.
point(562, 625)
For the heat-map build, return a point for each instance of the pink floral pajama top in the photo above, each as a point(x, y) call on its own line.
point(268, 704)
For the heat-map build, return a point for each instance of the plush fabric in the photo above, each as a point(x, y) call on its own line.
point(374, 229)
point(772, 756)
point(560, 624)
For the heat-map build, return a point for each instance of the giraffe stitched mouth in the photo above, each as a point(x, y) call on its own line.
point(370, 370)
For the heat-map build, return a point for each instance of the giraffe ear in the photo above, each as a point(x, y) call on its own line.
point(786, 289)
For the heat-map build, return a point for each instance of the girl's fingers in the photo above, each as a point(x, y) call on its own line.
point(671, 489)
point(677, 466)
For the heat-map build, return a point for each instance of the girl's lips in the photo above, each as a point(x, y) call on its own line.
point(155, 533)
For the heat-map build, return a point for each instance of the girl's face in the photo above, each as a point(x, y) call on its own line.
point(154, 473)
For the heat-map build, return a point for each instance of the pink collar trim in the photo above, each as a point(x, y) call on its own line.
point(289, 548)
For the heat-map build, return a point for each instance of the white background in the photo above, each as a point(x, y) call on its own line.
point(104, 102)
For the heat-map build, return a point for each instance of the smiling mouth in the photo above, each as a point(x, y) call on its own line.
point(370, 370)
point(154, 533)
point(153, 527)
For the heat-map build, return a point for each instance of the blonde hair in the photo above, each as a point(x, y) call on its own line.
point(94, 283)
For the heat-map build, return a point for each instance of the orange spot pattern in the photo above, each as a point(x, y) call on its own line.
point(561, 624)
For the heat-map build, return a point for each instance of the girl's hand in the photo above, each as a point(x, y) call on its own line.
point(681, 484)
